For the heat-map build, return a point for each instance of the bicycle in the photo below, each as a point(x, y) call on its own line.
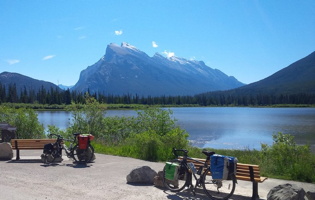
point(216, 189)
point(78, 152)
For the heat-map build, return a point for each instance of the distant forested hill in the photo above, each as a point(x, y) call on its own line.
point(295, 83)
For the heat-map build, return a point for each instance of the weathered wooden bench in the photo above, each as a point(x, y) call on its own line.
point(29, 144)
point(244, 172)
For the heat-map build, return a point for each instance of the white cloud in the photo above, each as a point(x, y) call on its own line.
point(48, 57)
point(154, 45)
point(168, 53)
point(12, 61)
point(120, 32)
point(82, 37)
point(79, 28)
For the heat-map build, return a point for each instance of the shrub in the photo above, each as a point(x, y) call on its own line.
point(88, 118)
point(150, 135)
point(154, 147)
point(285, 159)
point(25, 121)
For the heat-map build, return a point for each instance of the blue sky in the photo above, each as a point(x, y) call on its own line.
point(55, 40)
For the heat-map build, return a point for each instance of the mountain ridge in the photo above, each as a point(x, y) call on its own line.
point(22, 82)
point(125, 69)
point(296, 78)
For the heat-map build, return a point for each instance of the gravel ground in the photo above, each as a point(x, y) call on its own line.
point(104, 179)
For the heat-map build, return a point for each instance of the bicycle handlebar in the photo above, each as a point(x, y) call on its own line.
point(180, 150)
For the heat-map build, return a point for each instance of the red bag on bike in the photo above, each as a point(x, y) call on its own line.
point(83, 141)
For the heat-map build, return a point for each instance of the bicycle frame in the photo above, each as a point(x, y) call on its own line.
point(192, 170)
point(219, 189)
point(69, 150)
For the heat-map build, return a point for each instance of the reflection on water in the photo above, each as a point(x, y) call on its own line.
point(235, 128)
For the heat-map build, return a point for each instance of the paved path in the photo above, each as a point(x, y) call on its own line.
point(30, 179)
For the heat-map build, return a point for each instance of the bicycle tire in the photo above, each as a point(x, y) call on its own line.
point(217, 189)
point(183, 178)
point(50, 157)
point(83, 155)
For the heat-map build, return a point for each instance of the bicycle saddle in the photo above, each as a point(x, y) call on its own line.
point(208, 153)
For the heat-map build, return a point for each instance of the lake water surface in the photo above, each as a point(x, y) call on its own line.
point(224, 127)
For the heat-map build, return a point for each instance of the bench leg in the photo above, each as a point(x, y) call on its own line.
point(17, 154)
point(255, 191)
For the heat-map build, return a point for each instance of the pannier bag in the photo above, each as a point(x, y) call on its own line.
point(223, 167)
point(48, 148)
point(83, 141)
point(232, 167)
point(171, 171)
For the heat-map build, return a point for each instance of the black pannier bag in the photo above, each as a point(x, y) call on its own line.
point(48, 148)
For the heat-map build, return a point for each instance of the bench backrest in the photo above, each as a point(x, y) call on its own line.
point(30, 143)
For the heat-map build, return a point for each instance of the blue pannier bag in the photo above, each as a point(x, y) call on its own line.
point(222, 167)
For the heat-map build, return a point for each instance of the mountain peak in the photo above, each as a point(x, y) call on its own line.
point(123, 50)
point(128, 46)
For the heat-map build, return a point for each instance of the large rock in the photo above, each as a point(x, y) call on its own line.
point(286, 192)
point(310, 195)
point(142, 174)
point(6, 152)
point(158, 180)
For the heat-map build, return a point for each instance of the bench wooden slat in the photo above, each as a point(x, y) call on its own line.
point(246, 174)
point(29, 144)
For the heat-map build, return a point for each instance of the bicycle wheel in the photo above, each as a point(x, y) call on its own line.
point(217, 188)
point(83, 155)
point(50, 157)
point(182, 178)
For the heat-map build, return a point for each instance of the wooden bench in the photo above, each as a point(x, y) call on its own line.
point(244, 172)
point(29, 144)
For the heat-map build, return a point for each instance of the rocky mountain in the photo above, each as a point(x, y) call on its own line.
point(24, 82)
point(297, 78)
point(124, 69)
point(64, 87)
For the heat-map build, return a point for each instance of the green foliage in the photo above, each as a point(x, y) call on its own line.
point(116, 129)
point(155, 134)
point(154, 147)
point(25, 121)
point(88, 120)
point(285, 159)
point(155, 119)
point(149, 136)
point(56, 130)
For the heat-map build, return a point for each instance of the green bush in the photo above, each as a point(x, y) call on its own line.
point(154, 147)
point(25, 121)
point(87, 118)
point(285, 159)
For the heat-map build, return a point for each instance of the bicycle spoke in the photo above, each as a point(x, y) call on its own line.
point(218, 189)
point(181, 179)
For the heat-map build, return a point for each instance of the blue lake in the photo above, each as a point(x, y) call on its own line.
point(224, 127)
